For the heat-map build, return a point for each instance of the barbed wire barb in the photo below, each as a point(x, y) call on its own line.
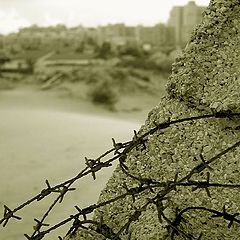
point(7, 215)
point(203, 185)
point(227, 216)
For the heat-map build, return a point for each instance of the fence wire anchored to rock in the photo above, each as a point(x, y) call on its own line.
point(158, 189)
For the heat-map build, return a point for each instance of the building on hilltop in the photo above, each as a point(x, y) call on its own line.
point(158, 35)
point(117, 34)
point(120, 34)
point(183, 19)
point(163, 37)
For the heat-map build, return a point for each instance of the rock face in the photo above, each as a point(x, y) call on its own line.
point(204, 80)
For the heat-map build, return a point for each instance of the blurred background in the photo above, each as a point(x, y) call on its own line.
point(74, 74)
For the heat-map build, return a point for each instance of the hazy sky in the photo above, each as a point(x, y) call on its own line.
point(19, 13)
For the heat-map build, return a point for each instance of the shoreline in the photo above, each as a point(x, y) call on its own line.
point(31, 96)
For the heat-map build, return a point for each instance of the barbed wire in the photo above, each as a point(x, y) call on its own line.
point(119, 153)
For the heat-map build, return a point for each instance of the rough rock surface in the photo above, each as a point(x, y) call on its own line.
point(204, 80)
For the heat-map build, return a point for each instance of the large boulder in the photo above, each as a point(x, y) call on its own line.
point(205, 80)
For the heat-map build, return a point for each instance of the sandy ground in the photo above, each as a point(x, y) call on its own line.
point(43, 137)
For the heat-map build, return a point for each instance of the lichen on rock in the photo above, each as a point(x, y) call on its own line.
point(205, 79)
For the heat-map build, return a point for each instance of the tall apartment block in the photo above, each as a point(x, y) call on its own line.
point(183, 19)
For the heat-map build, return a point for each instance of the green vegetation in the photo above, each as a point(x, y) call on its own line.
point(108, 86)
point(104, 51)
point(3, 59)
point(103, 93)
point(34, 54)
point(103, 72)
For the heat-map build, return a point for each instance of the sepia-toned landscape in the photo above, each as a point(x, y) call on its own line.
point(65, 92)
